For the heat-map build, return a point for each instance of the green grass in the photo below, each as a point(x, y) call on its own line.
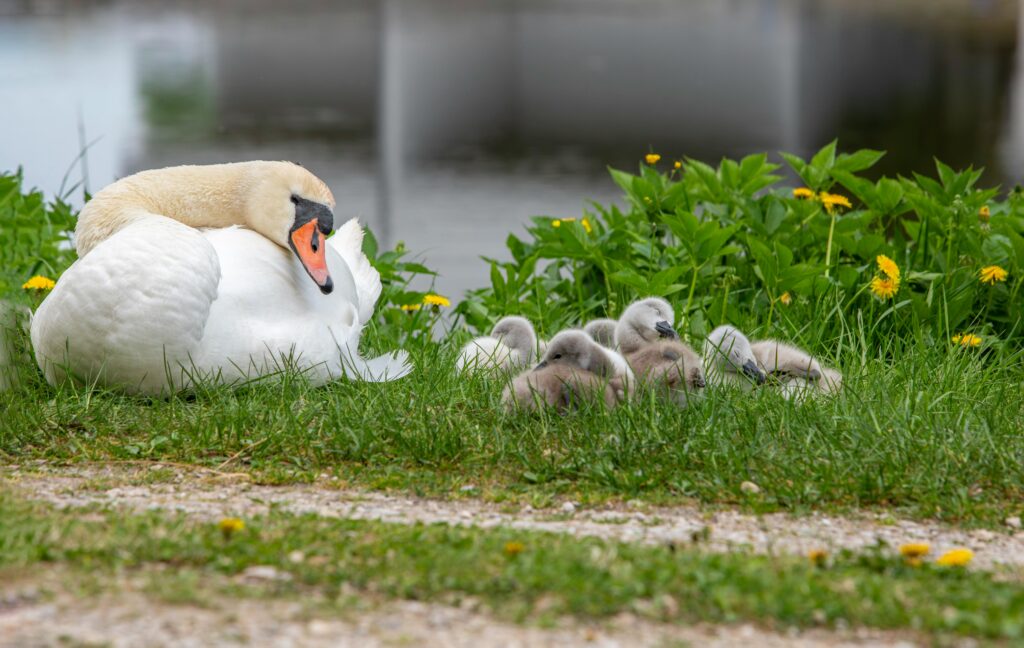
point(552, 576)
point(923, 431)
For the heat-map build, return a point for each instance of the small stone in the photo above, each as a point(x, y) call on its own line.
point(296, 557)
point(265, 573)
point(568, 507)
point(1013, 522)
point(468, 488)
point(750, 488)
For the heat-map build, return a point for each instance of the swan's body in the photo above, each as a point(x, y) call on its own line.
point(575, 349)
point(559, 386)
point(510, 346)
point(796, 371)
point(184, 276)
point(671, 368)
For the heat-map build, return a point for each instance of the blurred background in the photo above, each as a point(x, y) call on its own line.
point(448, 123)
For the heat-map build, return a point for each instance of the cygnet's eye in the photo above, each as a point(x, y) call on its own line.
point(295, 199)
point(556, 356)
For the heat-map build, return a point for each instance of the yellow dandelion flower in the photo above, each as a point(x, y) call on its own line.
point(966, 339)
point(833, 201)
point(652, 158)
point(39, 282)
point(817, 556)
point(230, 526)
point(984, 214)
point(514, 548)
point(884, 288)
point(586, 225)
point(913, 562)
point(677, 165)
point(915, 549)
point(888, 267)
point(803, 193)
point(411, 307)
point(436, 300)
point(991, 274)
point(959, 557)
point(786, 298)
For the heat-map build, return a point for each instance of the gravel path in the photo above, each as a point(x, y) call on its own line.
point(192, 493)
point(129, 619)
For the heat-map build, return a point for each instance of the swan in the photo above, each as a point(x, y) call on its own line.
point(644, 321)
point(603, 331)
point(728, 359)
point(510, 345)
point(659, 359)
point(797, 372)
point(560, 386)
point(576, 349)
point(215, 273)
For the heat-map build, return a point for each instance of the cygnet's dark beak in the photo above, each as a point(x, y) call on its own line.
point(813, 374)
point(543, 363)
point(751, 369)
point(665, 330)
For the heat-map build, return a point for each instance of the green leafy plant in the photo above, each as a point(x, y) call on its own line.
point(734, 243)
point(35, 236)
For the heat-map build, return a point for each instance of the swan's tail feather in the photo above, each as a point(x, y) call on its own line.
point(348, 243)
point(383, 368)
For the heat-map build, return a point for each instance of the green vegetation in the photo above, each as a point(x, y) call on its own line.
point(925, 427)
point(935, 434)
point(525, 575)
point(731, 245)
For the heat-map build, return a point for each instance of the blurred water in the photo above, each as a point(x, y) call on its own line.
point(447, 123)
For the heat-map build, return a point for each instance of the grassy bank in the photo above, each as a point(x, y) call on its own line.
point(918, 430)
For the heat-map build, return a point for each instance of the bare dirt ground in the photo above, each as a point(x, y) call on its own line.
point(195, 493)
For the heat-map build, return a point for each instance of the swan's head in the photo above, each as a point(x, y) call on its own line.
point(729, 350)
point(294, 208)
point(645, 321)
point(516, 333)
point(603, 331)
point(578, 350)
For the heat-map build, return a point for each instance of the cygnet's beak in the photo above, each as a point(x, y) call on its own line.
point(751, 369)
point(543, 363)
point(813, 374)
point(665, 330)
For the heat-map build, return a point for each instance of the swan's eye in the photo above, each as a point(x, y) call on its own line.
point(295, 199)
point(556, 356)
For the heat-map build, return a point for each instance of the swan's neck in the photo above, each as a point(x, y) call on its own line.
point(209, 196)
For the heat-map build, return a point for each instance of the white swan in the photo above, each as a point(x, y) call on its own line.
point(200, 273)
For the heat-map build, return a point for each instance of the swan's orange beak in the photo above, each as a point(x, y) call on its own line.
point(311, 248)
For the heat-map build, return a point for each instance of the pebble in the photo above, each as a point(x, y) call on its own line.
point(1013, 522)
point(568, 507)
point(750, 488)
point(265, 573)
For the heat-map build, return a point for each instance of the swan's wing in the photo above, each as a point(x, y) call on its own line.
point(270, 315)
point(348, 243)
point(132, 311)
